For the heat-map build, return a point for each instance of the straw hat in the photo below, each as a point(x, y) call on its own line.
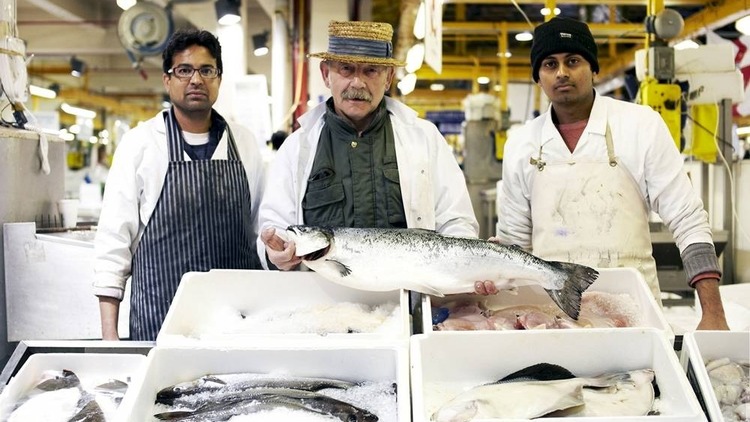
point(360, 42)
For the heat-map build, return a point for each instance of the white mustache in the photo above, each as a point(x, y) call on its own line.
point(356, 94)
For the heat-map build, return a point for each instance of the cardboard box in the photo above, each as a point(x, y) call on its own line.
point(168, 366)
point(444, 364)
point(92, 369)
point(611, 280)
point(204, 296)
point(701, 346)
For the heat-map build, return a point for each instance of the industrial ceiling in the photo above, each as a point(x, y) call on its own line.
point(56, 30)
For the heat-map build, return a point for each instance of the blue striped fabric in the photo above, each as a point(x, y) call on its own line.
point(202, 221)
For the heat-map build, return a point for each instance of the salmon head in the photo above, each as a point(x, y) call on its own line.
point(311, 242)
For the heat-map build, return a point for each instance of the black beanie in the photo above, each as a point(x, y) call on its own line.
point(562, 35)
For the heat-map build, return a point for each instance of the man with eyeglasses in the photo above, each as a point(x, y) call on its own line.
point(362, 159)
point(182, 194)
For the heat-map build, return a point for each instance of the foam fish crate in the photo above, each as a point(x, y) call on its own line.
point(701, 346)
point(444, 364)
point(92, 369)
point(204, 295)
point(611, 280)
point(357, 363)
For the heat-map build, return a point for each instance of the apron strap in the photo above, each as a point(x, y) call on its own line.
point(174, 137)
point(610, 147)
point(610, 152)
point(232, 153)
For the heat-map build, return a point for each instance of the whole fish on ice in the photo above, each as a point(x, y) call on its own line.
point(550, 390)
point(424, 261)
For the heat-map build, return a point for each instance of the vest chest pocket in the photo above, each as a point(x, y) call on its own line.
point(324, 206)
point(394, 200)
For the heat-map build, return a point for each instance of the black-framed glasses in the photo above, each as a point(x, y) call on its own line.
point(186, 72)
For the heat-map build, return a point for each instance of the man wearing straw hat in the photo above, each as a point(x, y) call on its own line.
point(362, 159)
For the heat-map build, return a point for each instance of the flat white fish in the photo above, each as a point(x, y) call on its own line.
point(635, 397)
point(532, 392)
point(50, 406)
point(427, 262)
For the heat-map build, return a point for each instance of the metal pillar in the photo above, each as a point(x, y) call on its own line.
point(725, 136)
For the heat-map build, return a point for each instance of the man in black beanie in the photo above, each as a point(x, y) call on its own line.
point(580, 180)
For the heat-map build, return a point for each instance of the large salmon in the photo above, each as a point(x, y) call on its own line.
point(430, 263)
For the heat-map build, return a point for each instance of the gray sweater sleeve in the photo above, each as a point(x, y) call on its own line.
point(699, 258)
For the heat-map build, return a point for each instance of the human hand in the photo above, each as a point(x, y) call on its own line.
point(281, 253)
point(485, 288)
point(713, 322)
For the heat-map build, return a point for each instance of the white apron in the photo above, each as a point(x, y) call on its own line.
point(591, 212)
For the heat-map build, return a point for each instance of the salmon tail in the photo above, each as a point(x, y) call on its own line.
point(578, 278)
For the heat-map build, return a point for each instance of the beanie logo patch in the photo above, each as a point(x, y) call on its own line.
point(565, 35)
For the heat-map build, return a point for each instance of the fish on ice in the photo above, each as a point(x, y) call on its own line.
point(548, 389)
point(425, 261)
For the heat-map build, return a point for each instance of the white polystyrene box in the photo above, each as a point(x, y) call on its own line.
point(356, 363)
point(611, 280)
point(92, 369)
point(444, 364)
point(701, 346)
point(201, 295)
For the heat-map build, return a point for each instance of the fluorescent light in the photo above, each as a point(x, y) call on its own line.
point(524, 36)
point(77, 111)
point(126, 4)
point(414, 58)
point(545, 11)
point(42, 92)
point(407, 84)
point(437, 87)
point(507, 54)
point(483, 80)
point(420, 23)
point(743, 25)
point(686, 44)
point(744, 130)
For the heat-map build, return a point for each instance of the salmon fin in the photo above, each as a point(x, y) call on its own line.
point(578, 278)
point(342, 269)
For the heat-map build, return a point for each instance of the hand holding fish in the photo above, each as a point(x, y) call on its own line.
point(280, 252)
point(487, 287)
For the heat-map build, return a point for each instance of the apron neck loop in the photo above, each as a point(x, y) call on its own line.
point(538, 161)
point(174, 136)
point(610, 147)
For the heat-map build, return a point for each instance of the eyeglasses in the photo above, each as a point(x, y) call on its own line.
point(186, 72)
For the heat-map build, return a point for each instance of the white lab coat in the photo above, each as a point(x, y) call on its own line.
point(432, 185)
point(133, 189)
point(642, 143)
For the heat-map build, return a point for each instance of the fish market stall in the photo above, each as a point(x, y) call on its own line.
point(718, 367)
point(51, 380)
point(363, 380)
point(447, 366)
point(242, 307)
point(618, 298)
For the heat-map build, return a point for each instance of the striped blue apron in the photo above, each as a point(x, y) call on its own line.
point(203, 220)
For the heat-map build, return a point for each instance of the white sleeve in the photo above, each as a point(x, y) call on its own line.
point(279, 206)
point(514, 205)
point(119, 222)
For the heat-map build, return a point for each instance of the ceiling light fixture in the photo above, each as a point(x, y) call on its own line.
point(228, 11)
point(545, 11)
point(77, 67)
point(420, 23)
point(743, 25)
point(437, 87)
point(414, 58)
point(77, 111)
point(524, 36)
point(126, 4)
point(42, 92)
point(406, 85)
point(483, 80)
point(260, 44)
